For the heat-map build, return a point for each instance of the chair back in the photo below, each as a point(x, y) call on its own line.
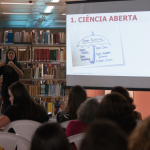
point(9, 141)
point(24, 128)
point(76, 139)
point(64, 124)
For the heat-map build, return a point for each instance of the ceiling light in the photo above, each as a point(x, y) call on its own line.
point(48, 9)
point(17, 3)
point(54, 1)
point(57, 26)
point(63, 13)
point(60, 20)
point(13, 13)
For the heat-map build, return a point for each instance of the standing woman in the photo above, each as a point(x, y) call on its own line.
point(11, 70)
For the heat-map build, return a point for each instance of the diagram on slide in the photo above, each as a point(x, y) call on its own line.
point(101, 46)
point(92, 41)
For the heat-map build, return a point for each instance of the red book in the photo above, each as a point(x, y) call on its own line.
point(57, 38)
point(47, 55)
point(44, 53)
point(47, 68)
point(39, 54)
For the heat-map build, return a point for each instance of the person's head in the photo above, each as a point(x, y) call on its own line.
point(50, 136)
point(87, 111)
point(115, 107)
point(11, 56)
point(124, 92)
point(104, 135)
point(19, 95)
point(140, 136)
point(77, 95)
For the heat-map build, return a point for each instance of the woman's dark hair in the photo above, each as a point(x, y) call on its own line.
point(77, 95)
point(15, 59)
point(24, 103)
point(50, 136)
point(114, 106)
point(124, 92)
point(87, 111)
point(104, 135)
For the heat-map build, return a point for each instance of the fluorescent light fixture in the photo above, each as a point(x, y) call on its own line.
point(56, 26)
point(17, 3)
point(60, 20)
point(48, 9)
point(13, 13)
point(54, 1)
point(63, 13)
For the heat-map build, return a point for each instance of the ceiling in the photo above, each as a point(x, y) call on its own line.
point(37, 18)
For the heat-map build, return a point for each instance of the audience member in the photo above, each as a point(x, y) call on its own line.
point(104, 135)
point(22, 106)
point(86, 113)
point(50, 136)
point(114, 106)
point(126, 94)
point(140, 137)
point(77, 95)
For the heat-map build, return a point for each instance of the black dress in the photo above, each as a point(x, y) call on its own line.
point(8, 79)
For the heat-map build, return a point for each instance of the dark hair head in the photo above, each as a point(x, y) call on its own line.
point(114, 106)
point(24, 103)
point(87, 111)
point(104, 135)
point(50, 136)
point(77, 95)
point(125, 93)
point(20, 93)
point(15, 59)
point(140, 137)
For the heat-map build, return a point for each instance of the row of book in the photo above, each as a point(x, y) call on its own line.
point(43, 37)
point(54, 71)
point(54, 89)
point(47, 55)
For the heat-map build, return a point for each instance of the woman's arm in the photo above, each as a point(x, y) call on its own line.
point(20, 73)
point(4, 120)
point(2, 64)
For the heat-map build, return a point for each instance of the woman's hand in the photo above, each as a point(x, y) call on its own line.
point(10, 63)
point(2, 64)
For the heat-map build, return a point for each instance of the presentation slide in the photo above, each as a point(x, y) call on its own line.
point(109, 44)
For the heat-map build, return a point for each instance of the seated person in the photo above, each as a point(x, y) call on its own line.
point(104, 135)
point(114, 106)
point(77, 95)
point(86, 113)
point(49, 136)
point(125, 93)
point(140, 136)
point(22, 106)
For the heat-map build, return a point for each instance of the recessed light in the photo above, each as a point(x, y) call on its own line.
point(17, 3)
point(48, 9)
point(54, 1)
point(13, 13)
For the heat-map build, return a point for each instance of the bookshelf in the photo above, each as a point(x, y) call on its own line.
point(42, 77)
